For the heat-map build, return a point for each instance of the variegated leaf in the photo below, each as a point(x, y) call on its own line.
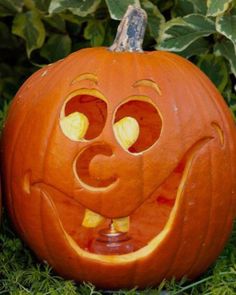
point(117, 8)
point(226, 25)
point(217, 7)
point(185, 7)
point(155, 18)
point(80, 8)
point(198, 47)
point(227, 50)
point(177, 34)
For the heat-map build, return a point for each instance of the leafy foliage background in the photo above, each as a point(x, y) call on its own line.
point(36, 32)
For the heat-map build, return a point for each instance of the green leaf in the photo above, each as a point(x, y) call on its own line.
point(216, 69)
point(10, 7)
point(81, 8)
point(217, 7)
point(198, 47)
point(185, 7)
point(226, 25)
point(155, 18)
point(178, 33)
point(29, 26)
point(70, 17)
point(95, 32)
point(227, 50)
point(57, 47)
point(56, 22)
point(118, 8)
point(199, 6)
point(42, 5)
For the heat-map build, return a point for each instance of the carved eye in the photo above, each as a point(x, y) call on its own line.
point(83, 117)
point(137, 125)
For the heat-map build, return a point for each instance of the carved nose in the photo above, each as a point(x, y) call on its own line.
point(92, 167)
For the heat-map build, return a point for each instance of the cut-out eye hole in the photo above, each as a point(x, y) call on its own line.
point(137, 125)
point(84, 117)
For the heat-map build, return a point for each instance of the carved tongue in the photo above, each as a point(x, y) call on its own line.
point(92, 219)
point(121, 224)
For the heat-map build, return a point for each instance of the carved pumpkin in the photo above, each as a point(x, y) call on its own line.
point(120, 166)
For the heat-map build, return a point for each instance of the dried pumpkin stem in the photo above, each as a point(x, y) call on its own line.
point(131, 30)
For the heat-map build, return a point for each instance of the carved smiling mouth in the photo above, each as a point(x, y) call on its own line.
point(142, 228)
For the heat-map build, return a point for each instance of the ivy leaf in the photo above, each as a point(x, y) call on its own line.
point(57, 47)
point(227, 50)
point(117, 9)
point(179, 33)
point(80, 8)
point(185, 7)
point(95, 32)
point(71, 18)
point(155, 18)
point(42, 5)
point(29, 26)
point(10, 7)
point(217, 7)
point(56, 22)
point(215, 68)
point(226, 25)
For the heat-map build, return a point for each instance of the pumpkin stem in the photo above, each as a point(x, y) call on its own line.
point(131, 30)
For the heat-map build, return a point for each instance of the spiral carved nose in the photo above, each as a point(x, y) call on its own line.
point(92, 169)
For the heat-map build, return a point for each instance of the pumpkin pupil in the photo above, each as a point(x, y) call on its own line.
point(94, 108)
point(148, 119)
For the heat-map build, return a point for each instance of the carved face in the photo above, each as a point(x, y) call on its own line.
point(113, 161)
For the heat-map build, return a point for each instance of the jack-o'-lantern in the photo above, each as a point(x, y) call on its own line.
point(120, 164)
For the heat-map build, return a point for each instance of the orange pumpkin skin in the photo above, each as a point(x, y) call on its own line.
point(46, 201)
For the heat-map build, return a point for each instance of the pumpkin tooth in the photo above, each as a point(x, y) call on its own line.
point(92, 219)
point(126, 131)
point(121, 224)
point(75, 125)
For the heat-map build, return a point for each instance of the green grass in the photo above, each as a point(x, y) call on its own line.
point(21, 274)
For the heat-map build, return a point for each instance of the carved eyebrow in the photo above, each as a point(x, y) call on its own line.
point(86, 76)
point(148, 83)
